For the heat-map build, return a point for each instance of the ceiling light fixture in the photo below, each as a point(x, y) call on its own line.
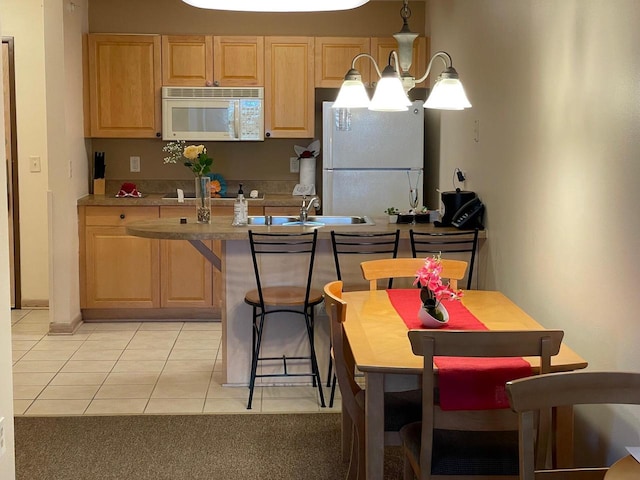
point(447, 93)
point(277, 5)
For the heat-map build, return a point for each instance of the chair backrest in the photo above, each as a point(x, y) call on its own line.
point(446, 244)
point(364, 244)
point(373, 270)
point(344, 362)
point(474, 343)
point(528, 396)
point(297, 250)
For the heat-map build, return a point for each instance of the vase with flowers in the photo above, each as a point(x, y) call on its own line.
point(432, 312)
point(199, 163)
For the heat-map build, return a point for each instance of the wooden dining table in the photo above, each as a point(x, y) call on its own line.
point(378, 338)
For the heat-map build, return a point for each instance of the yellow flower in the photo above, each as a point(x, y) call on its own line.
point(192, 151)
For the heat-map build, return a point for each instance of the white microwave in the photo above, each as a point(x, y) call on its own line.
point(213, 113)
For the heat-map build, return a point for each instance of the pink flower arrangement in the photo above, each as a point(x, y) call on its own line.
point(432, 288)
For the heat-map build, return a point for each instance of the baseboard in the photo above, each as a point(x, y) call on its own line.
point(34, 303)
point(58, 328)
point(155, 314)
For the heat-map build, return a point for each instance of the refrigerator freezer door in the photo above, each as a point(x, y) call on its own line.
point(360, 138)
point(365, 192)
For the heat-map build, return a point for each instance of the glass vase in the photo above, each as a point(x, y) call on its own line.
point(203, 199)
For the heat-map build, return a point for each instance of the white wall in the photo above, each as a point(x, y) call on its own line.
point(23, 20)
point(7, 461)
point(555, 85)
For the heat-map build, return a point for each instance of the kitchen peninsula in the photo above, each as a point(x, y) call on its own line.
point(237, 277)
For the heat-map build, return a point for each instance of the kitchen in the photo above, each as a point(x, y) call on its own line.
point(553, 153)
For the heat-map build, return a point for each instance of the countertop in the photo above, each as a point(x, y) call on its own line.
point(220, 228)
point(156, 199)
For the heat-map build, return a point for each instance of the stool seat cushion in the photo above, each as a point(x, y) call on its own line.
point(283, 296)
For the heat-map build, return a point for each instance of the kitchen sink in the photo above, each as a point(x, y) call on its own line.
point(312, 220)
point(192, 196)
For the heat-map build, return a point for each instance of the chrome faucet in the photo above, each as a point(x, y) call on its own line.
point(304, 209)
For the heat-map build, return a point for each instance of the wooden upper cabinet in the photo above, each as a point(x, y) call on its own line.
point(333, 57)
point(381, 47)
point(187, 60)
point(289, 87)
point(238, 61)
point(124, 85)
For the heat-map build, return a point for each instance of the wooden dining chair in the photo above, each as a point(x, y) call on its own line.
point(471, 442)
point(446, 244)
point(374, 270)
point(400, 407)
point(529, 397)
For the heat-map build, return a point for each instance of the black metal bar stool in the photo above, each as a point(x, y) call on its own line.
point(359, 244)
point(267, 299)
point(446, 243)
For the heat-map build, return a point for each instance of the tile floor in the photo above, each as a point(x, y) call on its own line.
point(133, 368)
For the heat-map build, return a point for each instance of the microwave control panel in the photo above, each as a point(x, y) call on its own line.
point(251, 119)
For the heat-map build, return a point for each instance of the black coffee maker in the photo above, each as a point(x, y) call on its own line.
point(452, 202)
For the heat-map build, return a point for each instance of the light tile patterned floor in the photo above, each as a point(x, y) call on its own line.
point(134, 368)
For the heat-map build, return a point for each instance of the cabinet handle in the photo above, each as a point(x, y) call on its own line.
point(216, 83)
point(122, 216)
point(158, 134)
point(268, 134)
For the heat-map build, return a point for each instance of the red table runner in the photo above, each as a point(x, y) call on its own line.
point(464, 383)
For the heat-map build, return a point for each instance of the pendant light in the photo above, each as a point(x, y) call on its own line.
point(277, 5)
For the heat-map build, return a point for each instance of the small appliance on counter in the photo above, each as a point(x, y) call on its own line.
point(462, 209)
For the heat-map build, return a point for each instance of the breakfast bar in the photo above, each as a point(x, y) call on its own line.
point(237, 277)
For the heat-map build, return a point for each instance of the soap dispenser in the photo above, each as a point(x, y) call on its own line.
point(240, 209)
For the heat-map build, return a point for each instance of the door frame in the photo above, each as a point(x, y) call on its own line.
point(12, 183)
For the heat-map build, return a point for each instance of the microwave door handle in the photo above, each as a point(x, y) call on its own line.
point(236, 120)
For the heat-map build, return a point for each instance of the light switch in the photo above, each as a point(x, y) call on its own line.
point(134, 164)
point(34, 163)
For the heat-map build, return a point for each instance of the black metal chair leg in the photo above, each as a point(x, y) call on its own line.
point(254, 357)
point(314, 360)
point(333, 391)
point(330, 374)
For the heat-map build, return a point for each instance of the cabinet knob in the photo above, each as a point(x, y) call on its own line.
point(122, 216)
point(216, 83)
point(268, 134)
point(158, 134)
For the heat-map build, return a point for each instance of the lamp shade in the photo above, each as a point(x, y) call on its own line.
point(277, 5)
point(352, 94)
point(389, 95)
point(448, 94)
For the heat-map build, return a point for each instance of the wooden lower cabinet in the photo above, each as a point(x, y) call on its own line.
point(187, 279)
point(119, 271)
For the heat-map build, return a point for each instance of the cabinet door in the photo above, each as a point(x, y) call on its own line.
point(289, 91)
point(238, 61)
point(380, 48)
point(186, 275)
point(187, 60)
point(333, 57)
point(122, 271)
point(124, 85)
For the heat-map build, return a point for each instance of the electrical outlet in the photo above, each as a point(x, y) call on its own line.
point(294, 165)
point(34, 164)
point(134, 164)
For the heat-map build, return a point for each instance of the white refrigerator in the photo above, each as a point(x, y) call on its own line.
point(370, 160)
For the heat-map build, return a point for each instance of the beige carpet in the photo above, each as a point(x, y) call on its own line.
point(190, 447)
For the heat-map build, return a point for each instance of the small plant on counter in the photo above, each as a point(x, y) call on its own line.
point(392, 211)
point(196, 156)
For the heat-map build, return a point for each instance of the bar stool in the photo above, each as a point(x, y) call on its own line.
point(267, 299)
point(446, 243)
point(359, 244)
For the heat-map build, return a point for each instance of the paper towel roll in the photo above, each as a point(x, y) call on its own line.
point(308, 171)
